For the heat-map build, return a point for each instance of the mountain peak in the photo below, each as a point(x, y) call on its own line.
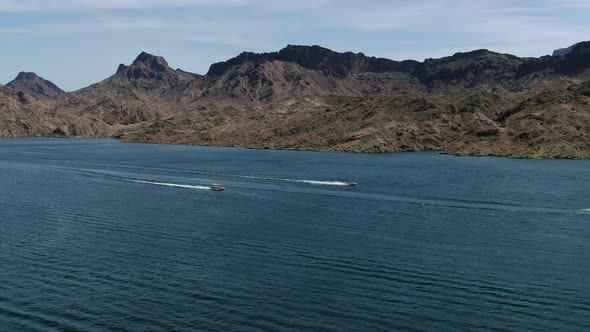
point(155, 62)
point(35, 85)
point(149, 73)
point(144, 55)
point(23, 75)
point(147, 66)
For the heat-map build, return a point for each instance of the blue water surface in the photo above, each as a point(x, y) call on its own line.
point(101, 235)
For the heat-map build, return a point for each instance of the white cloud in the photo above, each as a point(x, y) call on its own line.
point(388, 28)
point(524, 28)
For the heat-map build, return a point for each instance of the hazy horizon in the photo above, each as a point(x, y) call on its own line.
point(77, 43)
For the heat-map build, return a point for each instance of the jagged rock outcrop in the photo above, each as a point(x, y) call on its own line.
point(35, 86)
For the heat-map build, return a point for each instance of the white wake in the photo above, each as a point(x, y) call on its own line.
point(186, 186)
point(316, 182)
point(326, 183)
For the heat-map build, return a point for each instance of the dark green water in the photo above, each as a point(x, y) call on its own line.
point(89, 241)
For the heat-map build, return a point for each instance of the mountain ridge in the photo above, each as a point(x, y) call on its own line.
point(309, 97)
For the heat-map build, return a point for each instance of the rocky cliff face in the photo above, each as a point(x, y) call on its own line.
point(34, 85)
point(309, 97)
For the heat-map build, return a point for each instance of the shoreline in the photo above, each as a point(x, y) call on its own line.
point(441, 152)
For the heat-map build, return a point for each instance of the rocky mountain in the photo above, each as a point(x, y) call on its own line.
point(147, 76)
point(309, 97)
point(142, 91)
point(22, 115)
point(341, 65)
point(150, 74)
point(34, 85)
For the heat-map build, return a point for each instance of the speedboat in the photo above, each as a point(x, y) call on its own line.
point(217, 187)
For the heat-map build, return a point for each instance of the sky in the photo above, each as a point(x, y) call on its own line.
point(75, 43)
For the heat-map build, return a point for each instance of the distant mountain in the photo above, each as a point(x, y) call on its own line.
point(309, 97)
point(35, 85)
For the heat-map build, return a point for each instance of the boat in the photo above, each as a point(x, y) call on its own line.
point(217, 187)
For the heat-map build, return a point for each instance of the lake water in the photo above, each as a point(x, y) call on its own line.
point(102, 235)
